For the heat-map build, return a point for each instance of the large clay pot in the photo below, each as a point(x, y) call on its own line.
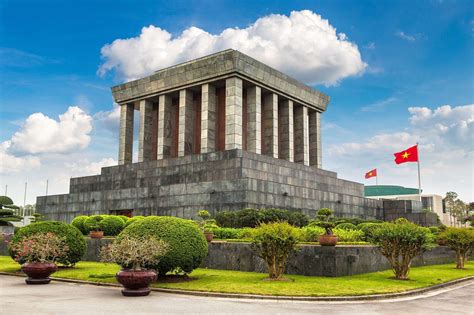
point(209, 236)
point(96, 234)
point(136, 282)
point(327, 240)
point(38, 272)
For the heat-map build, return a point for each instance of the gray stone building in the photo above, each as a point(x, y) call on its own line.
point(220, 132)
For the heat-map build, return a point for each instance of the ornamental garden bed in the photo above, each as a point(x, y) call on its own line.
point(224, 281)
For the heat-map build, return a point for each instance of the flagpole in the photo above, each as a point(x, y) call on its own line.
point(377, 179)
point(419, 176)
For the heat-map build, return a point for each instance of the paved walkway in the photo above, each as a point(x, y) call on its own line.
point(67, 298)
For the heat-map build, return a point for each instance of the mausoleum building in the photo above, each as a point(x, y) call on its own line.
point(220, 132)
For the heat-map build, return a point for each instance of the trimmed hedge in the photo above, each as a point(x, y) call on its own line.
point(111, 225)
point(74, 239)
point(133, 219)
point(346, 226)
point(249, 217)
point(5, 200)
point(78, 222)
point(187, 245)
point(91, 222)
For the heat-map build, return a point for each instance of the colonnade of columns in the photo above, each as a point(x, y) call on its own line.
point(222, 118)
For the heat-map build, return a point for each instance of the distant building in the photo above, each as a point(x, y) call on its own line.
point(430, 202)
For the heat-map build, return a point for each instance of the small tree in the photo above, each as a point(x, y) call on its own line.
point(461, 240)
point(324, 216)
point(400, 243)
point(134, 252)
point(274, 242)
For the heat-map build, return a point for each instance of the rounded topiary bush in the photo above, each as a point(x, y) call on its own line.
point(5, 200)
point(123, 217)
point(92, 222)
point(346, 226)
point(187, 245)
point(78, 222)
point(111, 225)
point(133, 219)
point(74, 239)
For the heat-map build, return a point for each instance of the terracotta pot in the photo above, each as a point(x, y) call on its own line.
point(327, 240)
point(38, 272)
point(136, 282)
point(96, 234)
point(209, 236)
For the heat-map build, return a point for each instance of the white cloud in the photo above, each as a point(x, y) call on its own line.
point(41, 134)
point(86, 168)
point(12, 164)
point(446, 137)
point(380, 105)
point(303, 45)
point(403, 35)
point(109, 119)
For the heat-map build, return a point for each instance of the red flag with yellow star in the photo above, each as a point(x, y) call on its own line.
point(371, 173)
point(408, 155)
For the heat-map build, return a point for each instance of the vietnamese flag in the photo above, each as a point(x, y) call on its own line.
point(408, 155)
point(372, 173)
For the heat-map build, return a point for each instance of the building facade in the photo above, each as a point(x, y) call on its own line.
point(429, 202)
point(220, 132)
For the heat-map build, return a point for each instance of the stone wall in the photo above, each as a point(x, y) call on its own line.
point(408, 209)
point(226, 180)
point(310, 260)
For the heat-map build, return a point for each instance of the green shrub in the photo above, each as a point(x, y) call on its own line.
point(368, 228)
point(400, 243)
point(92, 223)
point(401, 221)
point(346, 226)
point(187, 245)
point(78, 222)
point(274, 242)
point(111, 225)
point(74, 239)
point(435, 230)
point(123, 217)
point(311, 233)
point(461, 240)
point(344, 235)
point(134, 219)
point(5, 200)
point(226, 219)
point(253, 217)
point(226, 233)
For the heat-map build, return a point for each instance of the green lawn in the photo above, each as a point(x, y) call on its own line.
point(251, 282)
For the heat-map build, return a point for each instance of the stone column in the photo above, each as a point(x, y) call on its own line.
point(301, 143)
point(145, 132)
point(233, 113)
point(186, 123)
point(126, 134)
point(270, 125)
point(165, 136)
point(315, 156)
point(254, 118)
point(285, 128)
point(208, 118)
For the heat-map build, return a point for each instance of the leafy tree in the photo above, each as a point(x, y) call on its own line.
point(455, 206)
point(8, 211)
point(400, 243)
point(461, 240)
point(324, 217)
point(274, 242)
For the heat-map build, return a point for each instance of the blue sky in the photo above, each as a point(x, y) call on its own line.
point(417, 55)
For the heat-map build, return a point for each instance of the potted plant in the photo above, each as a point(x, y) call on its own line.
point(207, 224)
point(38, 253)
point(134, 254)
point(328, 238)
point(96, 231)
